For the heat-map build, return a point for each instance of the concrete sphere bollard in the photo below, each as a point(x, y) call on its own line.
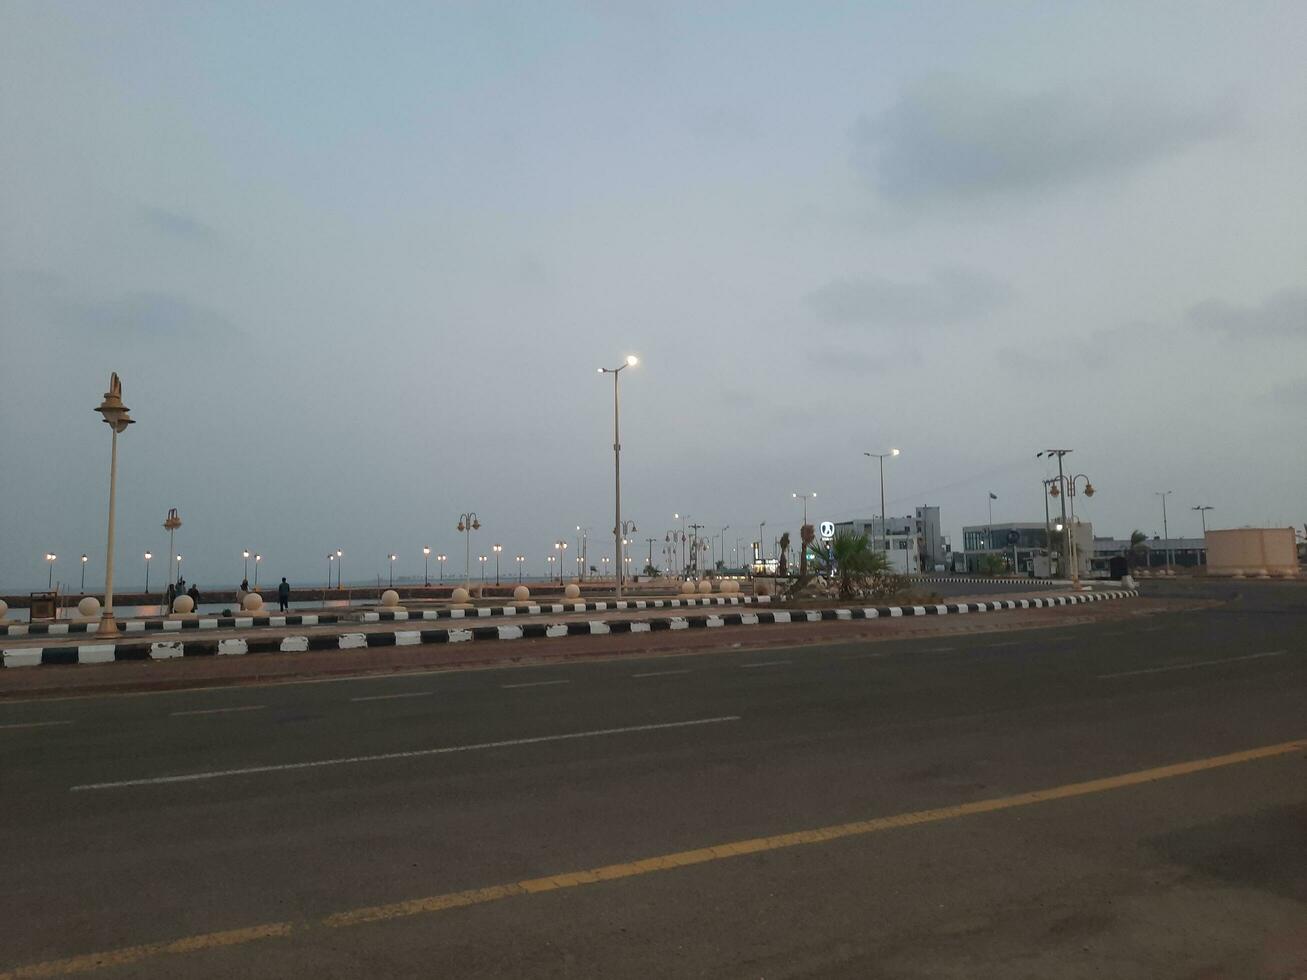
point(183, 604)
point(761, 587)
point(687, 588)
point(252, 603)
point(733, 587)
point(4, 608)
point(390, 598)
point(89, 606)
point(521, 593)
point(572, 590)
point(705, 586)
point(459, 595)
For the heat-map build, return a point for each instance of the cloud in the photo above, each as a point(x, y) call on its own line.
point(1282, 315)
point(1292, 395)
point(947, 296)
point(177, 224)
point(955, 138)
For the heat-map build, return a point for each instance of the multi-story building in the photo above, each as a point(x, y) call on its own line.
point(912, 543)
point(1020, 542)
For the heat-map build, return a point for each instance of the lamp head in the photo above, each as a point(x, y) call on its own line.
point(632, 360)
point(149, 555)
point(1089, 489)
point(893, 452)
point(112, 408)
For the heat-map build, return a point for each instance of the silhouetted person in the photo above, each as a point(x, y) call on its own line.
point(283, 594)
point(194, 593)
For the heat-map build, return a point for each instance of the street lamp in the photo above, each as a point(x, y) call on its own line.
point(881, 457)
point(331, 561)
point(559, 547)
point(49, 584)
point(551, 559)
point(804, 497)
point(115, 416)
point(340, 563)
point(441, 558)
point(1165, 533)
point(257, 559)
point(467, 523)
point(519, 559)
point(170, 524)
point(246, 555)
point(482, 559)
point(1201, 508)
point(426, 558)
point(631, 361)
point(1073, 546)
point(762, 551)
point(148, 556)
point(392, 569)
point(84, 561)
point(803, 545)
point(496, 548)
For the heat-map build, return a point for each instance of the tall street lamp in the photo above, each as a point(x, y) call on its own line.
point(467, 523)
point(115, 416)
point(497, 548)
point(441, 558)
point(49, 581)
point(762, 549)
point(1165, 533)
point(426, 559)
point(519, 559)
point(631, 361)
point(1073, 546)
point(803, 544)
point(559, 547)
point(1202, 512)
point(882, 457)
point(257, 559)
point(482, 559)
point(84, 561)
point(392, 557)
point(170, 524)
point(549, 569)
point(340, 563)
point(148, 556)
point(246, 555)
point(331, 562)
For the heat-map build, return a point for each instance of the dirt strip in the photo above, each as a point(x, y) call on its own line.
point(193, 672)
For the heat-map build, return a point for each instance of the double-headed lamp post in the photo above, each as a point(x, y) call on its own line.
point(482, 559)
point(1202, 512)
point(442, 558)
point(497, 548)
point(519, 559)
point(257, 559)
point(559, 547)
point(881, 457)
point(631, 361)
point(50, 560)
point(115, 416)
point(467, 523)
point(1073, 548)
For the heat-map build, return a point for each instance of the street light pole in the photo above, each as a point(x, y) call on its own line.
point(441, 558)
point(1165, 532)
point(148, 556)
point(257, 559)
point(1202, 512)
point(497, 549)
point(245, 554)
point(392, 569)
point(84, 561)
point(115, 415)
point(171, 523)
point(467, 523)
point(49, 581)
point(631, 361)
point(340, 563)
point(482, 560)
point(881, 458)
point(426, 565)
point(519, 559)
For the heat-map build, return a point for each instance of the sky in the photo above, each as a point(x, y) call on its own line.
point(357, 265)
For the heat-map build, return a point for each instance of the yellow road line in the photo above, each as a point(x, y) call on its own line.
point(663, 862)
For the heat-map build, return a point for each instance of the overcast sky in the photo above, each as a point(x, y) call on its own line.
point(357, 264)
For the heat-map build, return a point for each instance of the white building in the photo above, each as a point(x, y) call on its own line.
point(912, 543)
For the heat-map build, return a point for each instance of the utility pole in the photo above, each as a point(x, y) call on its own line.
point(1166, 533)
point(694, 546)
point(651, 541)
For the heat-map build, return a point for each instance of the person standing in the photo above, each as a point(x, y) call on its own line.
point(194, 593)
point(283, 594)
point(241, 593)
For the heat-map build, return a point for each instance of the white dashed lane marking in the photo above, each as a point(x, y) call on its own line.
point(217, 711)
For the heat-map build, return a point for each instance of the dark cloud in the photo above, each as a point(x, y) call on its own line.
point(1282, 316)
point(947, 296)
point(955, 138)
point(177, 224)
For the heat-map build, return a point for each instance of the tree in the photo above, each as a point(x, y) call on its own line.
point(650, 571)
point(852, 562)
point(806, 536)
point(992, 565)
point(785, 547)
point(1138, 554)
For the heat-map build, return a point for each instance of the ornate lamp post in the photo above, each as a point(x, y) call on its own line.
point(483, 559)
point(560, 546)
point(115, 416)
point(519, 559)
point(631, 361)
point(340, 562)
point(467, 523)
point(497, 549)
point(441, 558)
point(171, 523)
point(1073, 550)
point(331, 562)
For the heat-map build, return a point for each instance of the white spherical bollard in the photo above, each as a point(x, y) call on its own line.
point(459, 595)
point(252, 603)
point(705, 586)
point(521, 593)
point(390, 598)
point(183, 604)
point(89, 606)
point(762, 586)
point(4, 608)
point(572, 590)
point(687, 588)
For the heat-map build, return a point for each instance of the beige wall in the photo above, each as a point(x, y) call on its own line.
point(1252, 551)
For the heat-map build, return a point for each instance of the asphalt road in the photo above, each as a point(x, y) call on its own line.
point(294, 870)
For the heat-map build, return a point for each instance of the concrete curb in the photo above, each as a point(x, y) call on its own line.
point(535, 609)
point(95, 653)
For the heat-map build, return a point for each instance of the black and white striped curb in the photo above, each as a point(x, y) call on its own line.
point(382, 616)
point(529, 609)
point(95, 653)
point(979, 580)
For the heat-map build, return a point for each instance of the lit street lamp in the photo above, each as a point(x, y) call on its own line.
point(148, 556)
point(49, 584)
point(519, 559)
point(340, 563)
point(170, 524)
point(245, 554)
point(482, 559)
point(441, 558)
point(426, 558)
point(631, 361)
point(115, 416)
point(549, 569)
point(331, 561)
point(560, 546)
point(467, 523)
point(497, 548)
point(257, 559)
point(392, 569)
point(84, 561)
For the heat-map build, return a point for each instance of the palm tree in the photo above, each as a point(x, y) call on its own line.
point(785, 546)
point(1138, 554)
point(852, 561)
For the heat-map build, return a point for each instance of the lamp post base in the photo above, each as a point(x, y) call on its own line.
point(108, 625)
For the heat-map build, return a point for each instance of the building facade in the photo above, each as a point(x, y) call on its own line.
point(912, 543)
